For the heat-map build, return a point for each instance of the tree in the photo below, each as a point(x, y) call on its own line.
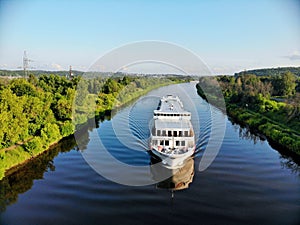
point(289, 84)
point(111, 86)
point(63, 109)
point(284, 84)
point(22, 87)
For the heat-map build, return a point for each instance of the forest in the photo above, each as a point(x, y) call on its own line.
point(271, 71)
point(269, 105)
point(38, 111)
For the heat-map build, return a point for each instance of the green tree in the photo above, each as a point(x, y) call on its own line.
point(284, 84)
point(289, 84)
point(63, 109)
point(22, 87)
point(50, 132)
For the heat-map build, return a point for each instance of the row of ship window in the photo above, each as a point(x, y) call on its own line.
point(171, 133)
point(160, 114)
point(167, 143)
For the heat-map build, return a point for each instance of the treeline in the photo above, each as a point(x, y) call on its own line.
point(20, 73)
point(95, 97)
point(36, 109)
point(34, 113)
point(271, 71)
point(39, 111)
point(266, 104)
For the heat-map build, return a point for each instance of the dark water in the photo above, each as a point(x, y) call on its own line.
point(248, 183)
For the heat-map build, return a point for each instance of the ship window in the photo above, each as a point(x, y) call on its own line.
point(164, 133)
point(170, 133)
point(166, 143)
point(175, 133)
point(186, 133)
point(158, 132)
point(162, 142)
point(155, 142)
point(182, 143)
point(177, 143)
point(180, 133)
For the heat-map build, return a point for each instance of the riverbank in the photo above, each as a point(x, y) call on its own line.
point(275, 131)
point(51, 134)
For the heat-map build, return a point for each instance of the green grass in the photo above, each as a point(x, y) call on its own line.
point(274, 130)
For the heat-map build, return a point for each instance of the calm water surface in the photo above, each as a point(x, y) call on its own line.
point(248, 183)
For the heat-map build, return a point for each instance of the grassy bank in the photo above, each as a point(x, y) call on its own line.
point(12, 157)
point(275, 131)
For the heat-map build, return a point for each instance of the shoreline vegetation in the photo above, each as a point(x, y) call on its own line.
point(268, 105)
point(38, 112)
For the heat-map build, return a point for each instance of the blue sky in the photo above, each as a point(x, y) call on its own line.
point(228, 35)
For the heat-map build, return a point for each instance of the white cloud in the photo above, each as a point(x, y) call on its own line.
point(294, 56)
point(56, 66)
point(4, 66)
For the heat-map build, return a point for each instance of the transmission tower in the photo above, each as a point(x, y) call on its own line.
point(71, 75)
point(26, 63)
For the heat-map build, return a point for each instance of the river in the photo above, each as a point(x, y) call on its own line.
point(248, 182)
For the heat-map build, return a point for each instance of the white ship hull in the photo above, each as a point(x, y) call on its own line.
point(173, 161)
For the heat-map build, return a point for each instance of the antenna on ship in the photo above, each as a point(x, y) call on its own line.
point(172, 198)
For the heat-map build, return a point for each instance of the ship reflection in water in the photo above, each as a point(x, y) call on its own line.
point(178, 179)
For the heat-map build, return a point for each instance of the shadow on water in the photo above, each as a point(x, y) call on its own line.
point(179, 179)
point(20, 179)
point(288, 159)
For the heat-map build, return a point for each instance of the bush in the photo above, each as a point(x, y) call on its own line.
point(50, 132)
point(67, 128)
point(286, 141)
point(34, 146)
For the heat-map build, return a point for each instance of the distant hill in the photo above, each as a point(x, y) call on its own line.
point(90, 74)
point(20, 73)
point(271, 71)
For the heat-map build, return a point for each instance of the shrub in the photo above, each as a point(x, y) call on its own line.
point(287, 141)
point(34, 146)
point(67, 128)
point(50, 132)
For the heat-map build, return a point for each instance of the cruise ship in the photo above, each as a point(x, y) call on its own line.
point(172, 136)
